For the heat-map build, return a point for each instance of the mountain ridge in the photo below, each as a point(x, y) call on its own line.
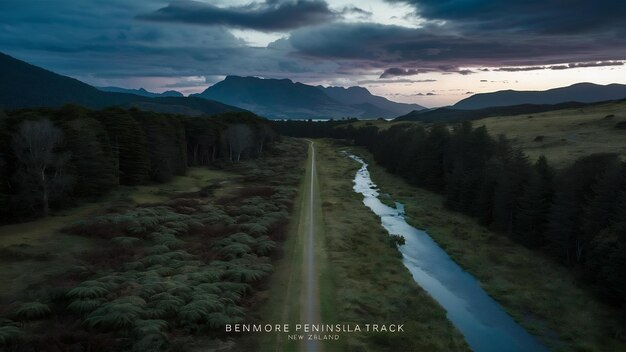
point(141, 92)
point(285, 99)
point(24, 85)
point(583, 92)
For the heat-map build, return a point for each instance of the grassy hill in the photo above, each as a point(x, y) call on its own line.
point(561, 135)
point(565, 135)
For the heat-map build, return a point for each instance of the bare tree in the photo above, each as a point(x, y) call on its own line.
point(264, 134)
point(40, 166)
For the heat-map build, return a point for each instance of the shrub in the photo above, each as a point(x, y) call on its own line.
point(396, 240)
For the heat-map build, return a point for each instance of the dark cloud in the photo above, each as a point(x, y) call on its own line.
point(561, 67)
point(268, 16)
point(396, 71)
point(520, 69)
point(391, 81)
point(356, 11)
point(436, 49)
point(529, 16)
point(433, 48)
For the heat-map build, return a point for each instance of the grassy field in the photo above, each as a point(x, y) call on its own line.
point(564, 135)
point(371, 284)
point(545, 297)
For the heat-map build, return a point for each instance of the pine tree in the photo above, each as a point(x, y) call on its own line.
point(602, 202)
point(91, 159)
point(128, 144)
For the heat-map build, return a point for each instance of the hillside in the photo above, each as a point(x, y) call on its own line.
point(285, 99)
point(28, 86)
point(564, 135)
point(580, 92)
point(448, 114)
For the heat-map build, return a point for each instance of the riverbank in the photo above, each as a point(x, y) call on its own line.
point(541, 295)
point(371, 284)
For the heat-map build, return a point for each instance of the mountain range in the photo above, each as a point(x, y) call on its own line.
point(23, 85)
point(285, 99)
point(142, 92)
point(580, 92)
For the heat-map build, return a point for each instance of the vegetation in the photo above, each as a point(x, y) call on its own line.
point(53, 157)
point(565, 135)
point(575, 215)
point(156, 273)
point(548, 299)
point(358, 251)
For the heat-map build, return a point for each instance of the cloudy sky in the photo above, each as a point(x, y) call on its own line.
point(432, 52)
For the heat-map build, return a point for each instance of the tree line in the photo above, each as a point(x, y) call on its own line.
point(577, 215)
point(51, 157)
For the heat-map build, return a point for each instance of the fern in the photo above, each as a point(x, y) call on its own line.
point(234, 310)
point(234, 250)
point(32, 311)
point(210, 274)
point(166, 301)
point(211, 288)
point(154, 313)
point(126, 241)
point(218, 319)
point(264, 245)
point(243, 274)
point(114, 316)
point(134, 266)
point(89, 289)
point(134, 300)
point(165, 271)
point(9, 333)
point(154, 259)
point(150, 326)
point(157, 249)
point(182, 291)
point(199, 308)
point(241, 237)
point(238, 287)
point(84, 306)
point(255, 229)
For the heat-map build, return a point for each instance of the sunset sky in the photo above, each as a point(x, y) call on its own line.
point(432, 52)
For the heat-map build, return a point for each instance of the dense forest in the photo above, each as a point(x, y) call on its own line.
point(49, 158)
point(577, 215)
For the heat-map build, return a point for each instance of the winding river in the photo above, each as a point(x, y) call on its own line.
point(484, 324)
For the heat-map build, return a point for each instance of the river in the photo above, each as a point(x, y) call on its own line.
point(484, 324)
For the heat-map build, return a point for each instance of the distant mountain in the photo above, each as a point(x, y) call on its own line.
point(142, 92)
point(26, 86)
point(581, 92)
point(359, 96)
point(285, 99)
